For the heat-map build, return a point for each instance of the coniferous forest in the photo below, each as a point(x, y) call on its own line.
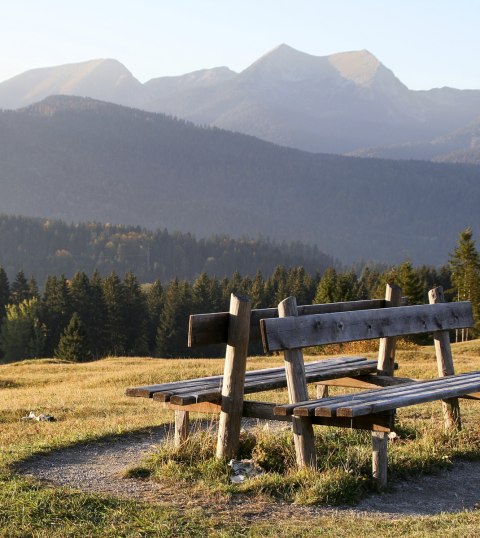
point(118, 291)
point(90, 316)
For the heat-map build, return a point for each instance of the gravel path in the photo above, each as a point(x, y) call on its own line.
point(98, 468)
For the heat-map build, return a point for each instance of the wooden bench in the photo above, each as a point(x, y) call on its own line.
point(337, 322)
point(224, 394)
point(290, 333)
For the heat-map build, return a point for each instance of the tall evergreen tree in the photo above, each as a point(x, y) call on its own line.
point(465, 266)
point(19, 290)
point(4, 293)
point(116, 320)
point(97, 326)
point(136, 315)
point(154, 307)
point(173, 328)
point(55, 311)
point(409, 280)
point(327, 287)
point(73, 344)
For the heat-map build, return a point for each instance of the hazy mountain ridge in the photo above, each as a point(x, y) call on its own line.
point(344, 102)
point(83, 160)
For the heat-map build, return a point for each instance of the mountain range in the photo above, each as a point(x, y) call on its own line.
point(342, 103)
point(79, 159)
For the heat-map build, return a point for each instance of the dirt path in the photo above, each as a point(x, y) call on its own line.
point(98, 468)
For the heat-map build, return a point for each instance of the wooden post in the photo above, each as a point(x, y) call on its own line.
point(386, 352)
point(181, 426)
point(234, 377)
point(322, 391)
point(297, 392)
point(379, 458)
point(385, 366)
point(443, 352)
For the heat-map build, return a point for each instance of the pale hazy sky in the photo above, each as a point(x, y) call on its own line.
point(427, 43)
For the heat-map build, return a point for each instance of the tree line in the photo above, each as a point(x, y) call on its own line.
point(52, 247)
point(88, 317)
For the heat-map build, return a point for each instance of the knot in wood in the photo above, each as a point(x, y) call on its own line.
point(340, 325)
point(318, 324)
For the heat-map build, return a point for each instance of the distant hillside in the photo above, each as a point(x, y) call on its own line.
point(42, 247)
point(82, 160)
point(332, 104)
point(459, 146)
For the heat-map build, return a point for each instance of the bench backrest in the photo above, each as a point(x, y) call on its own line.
point(209, 329)
point(311, 330)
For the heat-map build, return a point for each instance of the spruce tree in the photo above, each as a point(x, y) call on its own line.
point(136, 316)
point(465, 267)
point(4, 293)
point(73, 344)
point(19, 290)
point(409, 280)
point(326, 289)
point(116, 319)
point(173, 327)
point(154, 307)
point(56, 310)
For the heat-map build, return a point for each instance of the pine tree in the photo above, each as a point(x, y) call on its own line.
point(465, 266)
point(56, 310)
point(326, 289)
point(97, 322)
point(409, 280)
point(116, 320)
point(19, 290)
point(154, 307)
point(257, 291)
point(73, 344)
point(4, 293)
point(173, 327)
point(136, 316)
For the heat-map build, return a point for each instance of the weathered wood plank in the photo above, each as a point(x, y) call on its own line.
point(326, 406)
point(209, 329)
point(451, 408)
point(297, 332)
point(315, 371)
point(213, 395)
point(298, 392)
point(431, 395)
point(379, 422)
point(234, 377)
point(387, 348)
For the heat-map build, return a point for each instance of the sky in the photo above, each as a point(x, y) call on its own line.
point(426, 43)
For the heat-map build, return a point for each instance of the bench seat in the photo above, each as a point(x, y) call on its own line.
point(385, 399)
point(209, 389)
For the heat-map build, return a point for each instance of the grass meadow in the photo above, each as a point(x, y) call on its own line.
point(89, 404)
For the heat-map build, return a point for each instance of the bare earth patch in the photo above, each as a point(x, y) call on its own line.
point(98, 468)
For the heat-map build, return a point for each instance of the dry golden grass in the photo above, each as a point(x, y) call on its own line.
point(88, 402)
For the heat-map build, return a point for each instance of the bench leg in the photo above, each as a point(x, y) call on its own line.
point(322, 391)
point(379, 458)
point(181, 426)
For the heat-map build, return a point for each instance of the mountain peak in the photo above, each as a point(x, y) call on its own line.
point(358, 66)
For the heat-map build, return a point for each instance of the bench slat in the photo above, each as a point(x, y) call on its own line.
point(277, 382)
point(210, 329)
point(209, 389)
point(318, 329)
point(327, 406)
point(385, 399)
